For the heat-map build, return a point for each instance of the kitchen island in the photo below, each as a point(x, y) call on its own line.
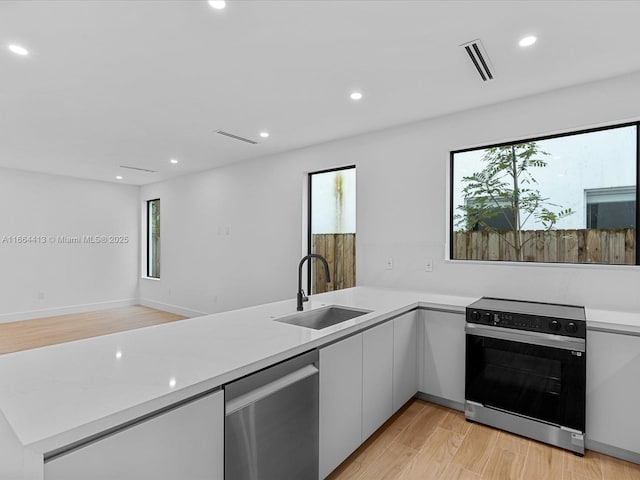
point(59, 396)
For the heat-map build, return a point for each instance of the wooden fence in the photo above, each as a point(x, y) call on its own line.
point(614, 246)
point(340, 251)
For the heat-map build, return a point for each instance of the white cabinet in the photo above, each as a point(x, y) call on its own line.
point(364, 379)
point(377, 377)
point(340, 402)
point(405, 359)
point(186, 442)
point(442, 340)
point(613, 390)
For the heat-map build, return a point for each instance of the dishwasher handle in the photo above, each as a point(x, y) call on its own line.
point(270, 388)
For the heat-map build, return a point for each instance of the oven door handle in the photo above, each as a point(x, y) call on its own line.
point(523, 336)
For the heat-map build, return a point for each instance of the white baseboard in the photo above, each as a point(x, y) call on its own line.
point(52, 312)
point(166, 307)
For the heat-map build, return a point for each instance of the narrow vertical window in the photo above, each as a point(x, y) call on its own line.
point(332, 228)
point(153, 238)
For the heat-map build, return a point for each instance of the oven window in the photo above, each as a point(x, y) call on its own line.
point(534, 374)
point(544, 383)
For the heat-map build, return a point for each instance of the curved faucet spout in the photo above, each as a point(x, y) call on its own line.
point(301, 297)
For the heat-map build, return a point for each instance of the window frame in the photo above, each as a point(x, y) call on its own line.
point(452, 207)
point(149, 238)
point(309, 208)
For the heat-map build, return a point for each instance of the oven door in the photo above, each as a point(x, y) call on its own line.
point(536, 375)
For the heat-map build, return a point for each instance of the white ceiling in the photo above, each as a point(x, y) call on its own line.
point(113, 83)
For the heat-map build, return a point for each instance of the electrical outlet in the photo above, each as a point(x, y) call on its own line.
point(428, 265)
point(389, 264)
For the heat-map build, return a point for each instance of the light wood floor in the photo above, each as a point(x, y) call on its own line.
point(425, 441)
point(26, 334)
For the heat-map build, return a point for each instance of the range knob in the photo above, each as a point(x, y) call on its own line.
point(488, 317)
point(475, 315)
point(554, 325)
point(571, 327)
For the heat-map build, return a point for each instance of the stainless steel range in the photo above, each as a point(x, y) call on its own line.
point(526, 369)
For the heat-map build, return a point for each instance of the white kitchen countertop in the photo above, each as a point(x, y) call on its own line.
point(59, 394)
point(53, 396)
point(627, 323)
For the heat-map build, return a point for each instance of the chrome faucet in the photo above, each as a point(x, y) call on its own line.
point(301, 296)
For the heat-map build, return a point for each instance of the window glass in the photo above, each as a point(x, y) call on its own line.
point(332, 232)
point(153, 238)
point(568, 198)
point(611, 207)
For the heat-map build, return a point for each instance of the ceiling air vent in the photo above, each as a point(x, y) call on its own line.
point(138, 169)
point(236, 137)
point(480, 59)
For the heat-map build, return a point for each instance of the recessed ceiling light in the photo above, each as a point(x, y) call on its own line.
point(527, 41)
point(264, 134)
point(173, 160)
point(355, 96)
point(18, 50)
point(119, 177)
point(217, 4)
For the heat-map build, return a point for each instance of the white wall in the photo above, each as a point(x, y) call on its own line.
point(401, 212)
point(46, 277)
point(231, 237)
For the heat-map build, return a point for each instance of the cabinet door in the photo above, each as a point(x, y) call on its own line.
point(377, 377)
point(186, 442)
point(340, 402)
point(405, 359)
point(613, 390)
point(443, 356)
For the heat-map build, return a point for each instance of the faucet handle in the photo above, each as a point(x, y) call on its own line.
point(304, 296)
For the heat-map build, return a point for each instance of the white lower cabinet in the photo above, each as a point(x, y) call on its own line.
point(377, 377)
point(340, 402)
point(442, 342)
point(405, 358)
point(186, 442)
point(364, 379)
point(613, 390)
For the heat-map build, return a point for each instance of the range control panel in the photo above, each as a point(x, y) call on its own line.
point(571, 327)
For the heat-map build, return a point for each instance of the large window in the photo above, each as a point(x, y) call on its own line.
point(568, 198)
point(332, 228)
point(153, 238)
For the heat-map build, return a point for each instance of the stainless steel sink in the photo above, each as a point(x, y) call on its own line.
point(322, 317)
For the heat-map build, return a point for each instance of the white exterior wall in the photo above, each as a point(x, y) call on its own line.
point(402, 212)
point(332, 214)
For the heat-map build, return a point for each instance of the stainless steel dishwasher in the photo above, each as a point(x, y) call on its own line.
point(271, 422)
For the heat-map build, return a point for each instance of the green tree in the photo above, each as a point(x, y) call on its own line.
point(506, 187)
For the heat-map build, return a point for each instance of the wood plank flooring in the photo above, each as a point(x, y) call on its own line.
point(429, 442)
point(40, 332)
